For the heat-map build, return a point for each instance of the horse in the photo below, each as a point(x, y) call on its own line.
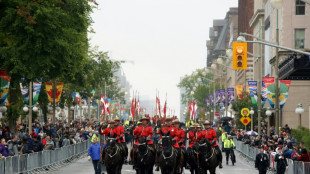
point(113, 158)
point(144, 157)
point(168, 156)
point(207, 157)
point(192, 158)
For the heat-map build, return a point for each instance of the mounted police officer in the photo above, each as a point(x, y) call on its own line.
point(211, 136)
point(120, 133)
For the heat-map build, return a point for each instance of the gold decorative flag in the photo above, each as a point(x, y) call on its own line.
point(49, 91)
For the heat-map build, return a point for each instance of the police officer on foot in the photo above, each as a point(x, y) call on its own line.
point(281, 161)
point(261, 162)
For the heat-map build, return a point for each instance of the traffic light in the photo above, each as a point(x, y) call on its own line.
point(240, 55)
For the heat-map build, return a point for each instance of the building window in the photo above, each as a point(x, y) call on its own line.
point(300, 7)
point(299, 38)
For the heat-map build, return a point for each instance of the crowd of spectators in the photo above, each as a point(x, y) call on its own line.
point(45, 136)
point(271, 144)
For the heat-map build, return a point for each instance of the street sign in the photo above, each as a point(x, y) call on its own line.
point(245, 120)
point(245, 112)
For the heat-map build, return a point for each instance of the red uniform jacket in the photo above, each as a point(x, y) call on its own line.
point(180, 136)
point(211, 135)
point(143, 132)
point(108, 132)
point(121, 134)
point(201, 135)
point(173, 134)
point(192, 138)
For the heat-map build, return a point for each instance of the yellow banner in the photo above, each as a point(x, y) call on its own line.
point(239, 89)
point(49, 91)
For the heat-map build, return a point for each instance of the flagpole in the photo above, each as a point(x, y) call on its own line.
point(156, 108)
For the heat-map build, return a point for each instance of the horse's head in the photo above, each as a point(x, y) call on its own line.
point(204, 146)
point(111, 145)
point(166, 140)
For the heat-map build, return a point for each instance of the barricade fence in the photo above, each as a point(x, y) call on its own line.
point(46, 160)
point(294, 167)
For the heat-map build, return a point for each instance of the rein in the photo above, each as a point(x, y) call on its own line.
point(147, 151)
point(111, 156)
point(169, 156)
point(210, 155)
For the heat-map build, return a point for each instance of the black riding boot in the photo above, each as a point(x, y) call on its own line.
point(156, 159)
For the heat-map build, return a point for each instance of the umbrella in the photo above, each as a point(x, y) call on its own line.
point(226, 118)
point(217, 120)
point(251, 133)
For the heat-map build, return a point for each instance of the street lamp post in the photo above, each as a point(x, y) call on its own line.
point(299, 110)
point(252, 112)
point(268, 113)
point(277, 4)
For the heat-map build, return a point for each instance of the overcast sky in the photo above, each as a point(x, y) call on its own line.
point(166, 39)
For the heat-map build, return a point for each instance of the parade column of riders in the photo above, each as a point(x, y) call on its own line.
point(143, 128)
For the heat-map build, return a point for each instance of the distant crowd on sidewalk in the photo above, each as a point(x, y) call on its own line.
point(47, 136)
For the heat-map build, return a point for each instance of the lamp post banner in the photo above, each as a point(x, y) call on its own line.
point(270, 90)
point(223, 97)
point(230, 95)
point(264, 94)
point(239, 89)
point(253, 91)
point(284, 87)
point(217, 97)
point(207, 102)
point(4, 85)
point(25, 92)
point(49, 91)
point(211, 99)
point(36, 91)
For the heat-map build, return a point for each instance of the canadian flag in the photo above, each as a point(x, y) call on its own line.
point(138, 107)
point(190, 109)
point(158, 103)
point(194, 107)
point(105, 105)
point(132, 109)
point(165, 108)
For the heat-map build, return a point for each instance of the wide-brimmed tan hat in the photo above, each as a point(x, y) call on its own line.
point(176, 121)
point(144, 118)
point(112, 122)
point(207, 122)
point(117, 119)
point(195, 125)
point(168, 118)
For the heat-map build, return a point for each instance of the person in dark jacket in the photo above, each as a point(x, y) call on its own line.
point(25, 146)
point(281, 162)
point(261, 162)
point(37, 146)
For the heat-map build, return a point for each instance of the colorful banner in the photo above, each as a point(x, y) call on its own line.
point(4, 85)
point(270, 90)
point(49, 91)
point(230, 95)
point(223, 97)
point(211, 99)
point(253, 91)
point(239, 89)
point(264, 94)
point(36, 91)
point(25, 92)
point(207, 102)
point(284, 87)
point(217, 97)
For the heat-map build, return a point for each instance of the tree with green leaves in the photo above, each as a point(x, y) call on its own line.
point(301, 134)
point(246, 102)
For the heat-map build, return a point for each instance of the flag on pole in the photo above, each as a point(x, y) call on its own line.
point(165, 108)
point(132, 110)
point(158, 103)
point(194, 110)
point(190, 110)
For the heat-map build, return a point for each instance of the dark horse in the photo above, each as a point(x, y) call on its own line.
point(113, 159)
point(144, 157)
point(207, 157)
point(168, 156)
point(193, 159)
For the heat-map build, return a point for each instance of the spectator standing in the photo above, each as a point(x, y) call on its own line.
point(281, 162)
point(304, 156)
point(49, 144)
point(261, 162)
point(12, 146)
point(94, 154)
point(25, 146)
point(66, 141)
point(4, 148)
point(37, 146)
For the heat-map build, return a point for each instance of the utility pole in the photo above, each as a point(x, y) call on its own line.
point(54, 101)
point(259, 81)
point(277, 79)
point(30, 108)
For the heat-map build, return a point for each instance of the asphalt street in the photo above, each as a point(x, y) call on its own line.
point(84, 166)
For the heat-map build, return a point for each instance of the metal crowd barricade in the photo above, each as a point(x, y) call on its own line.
point(41, 160)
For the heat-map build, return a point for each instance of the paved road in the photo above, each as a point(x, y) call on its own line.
point(83, 166)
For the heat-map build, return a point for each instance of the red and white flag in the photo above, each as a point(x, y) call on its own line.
point(132, 109)
point(158, 103)
point(194, 110)
point(165, 108)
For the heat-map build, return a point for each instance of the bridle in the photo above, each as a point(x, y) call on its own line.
point(117, 148)
point(170, 154)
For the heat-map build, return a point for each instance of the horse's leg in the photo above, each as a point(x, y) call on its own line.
point(212, 171)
